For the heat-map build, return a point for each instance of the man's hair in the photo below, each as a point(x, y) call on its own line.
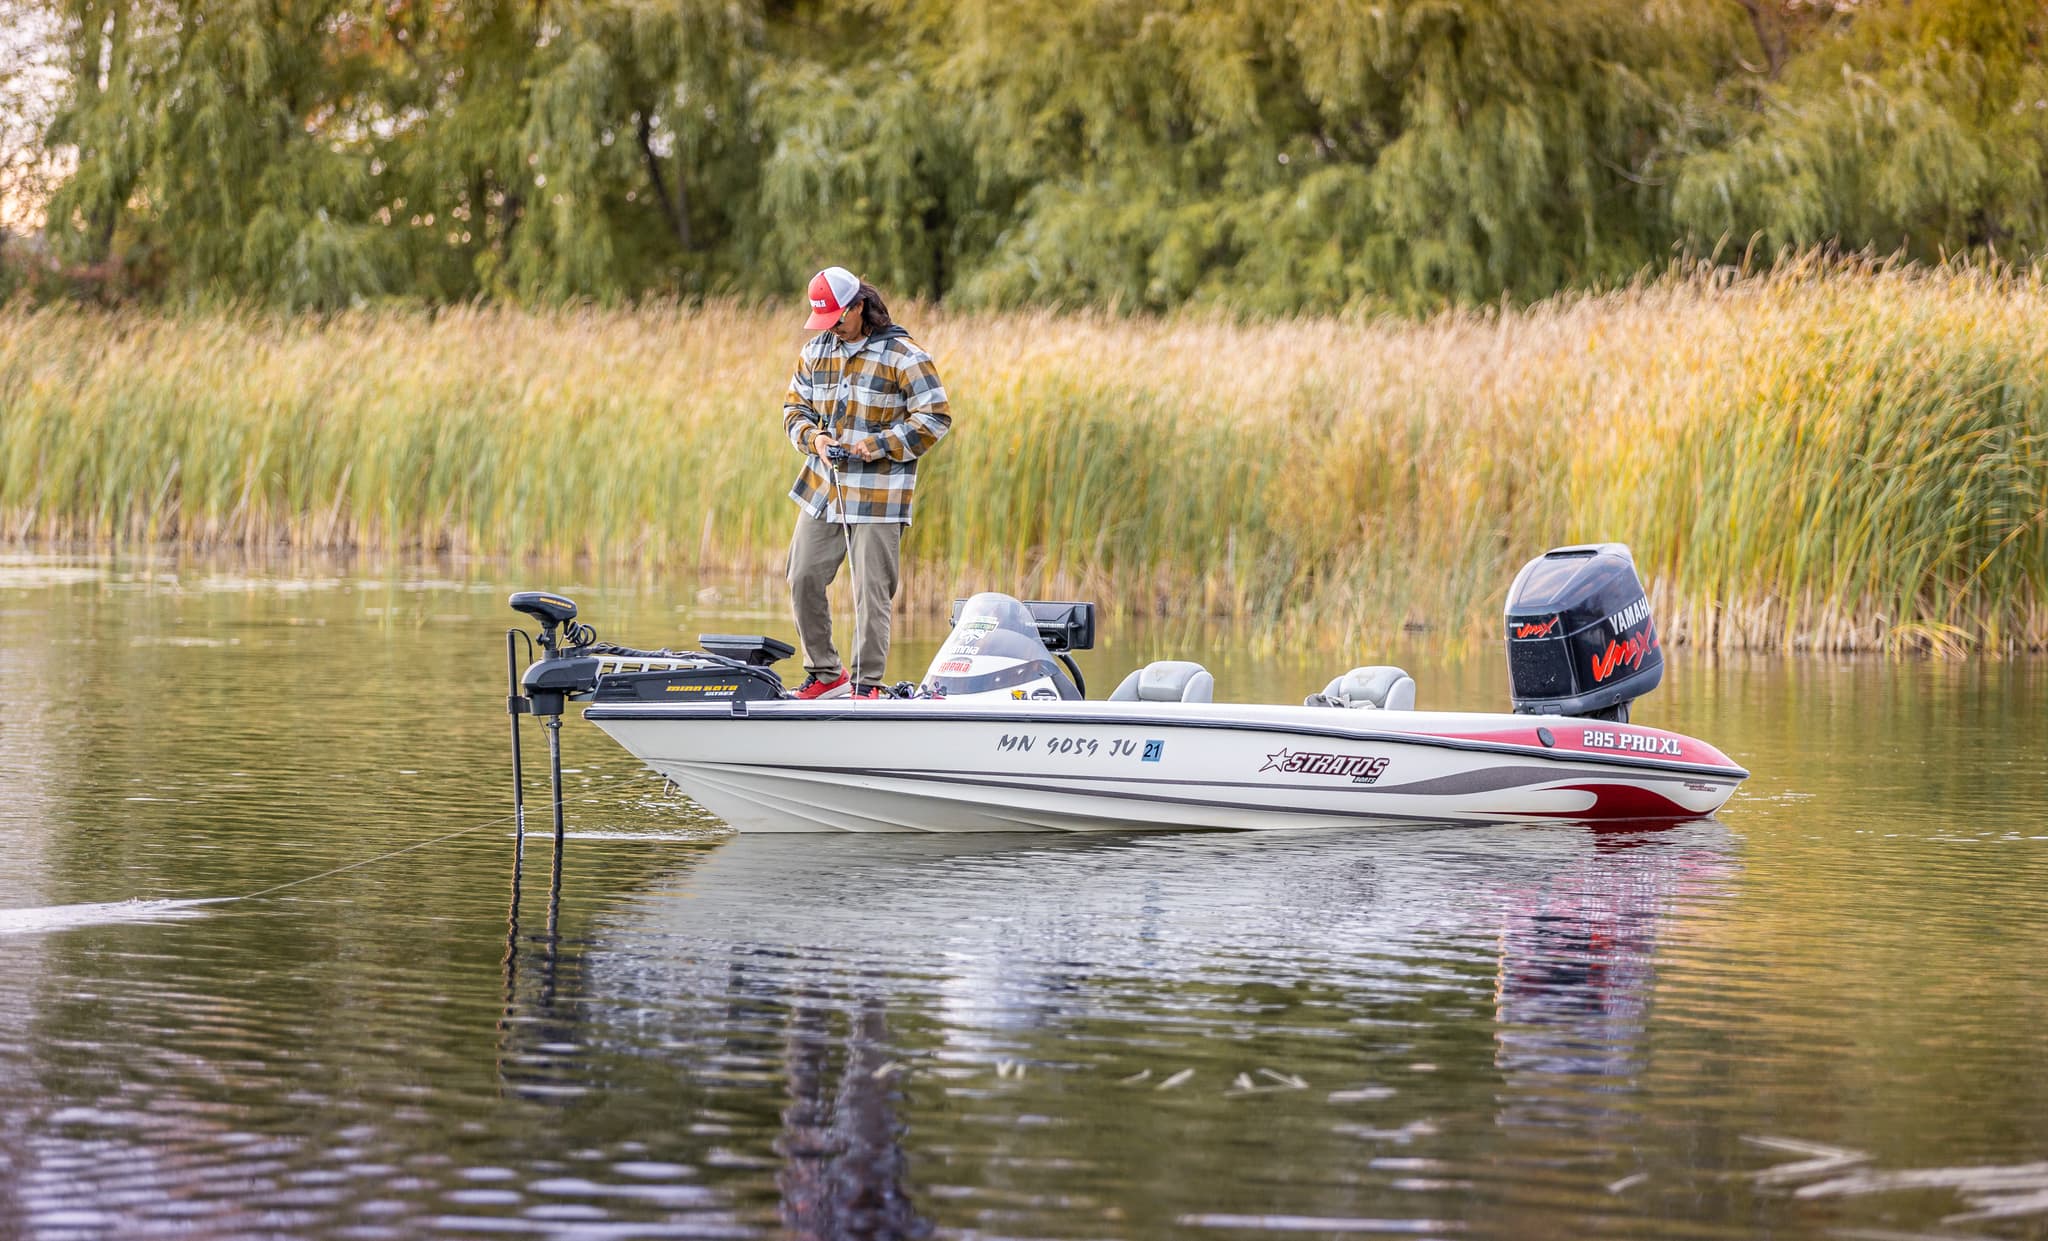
point(874, 313)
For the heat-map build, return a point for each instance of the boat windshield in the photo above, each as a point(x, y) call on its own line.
point(995, 651)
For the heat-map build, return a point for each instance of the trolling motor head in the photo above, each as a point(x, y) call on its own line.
point(552, 611)
point(563, 669)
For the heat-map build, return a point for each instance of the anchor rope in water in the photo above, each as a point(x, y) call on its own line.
point(382, 857)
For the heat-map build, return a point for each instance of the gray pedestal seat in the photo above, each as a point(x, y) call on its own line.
point(1376, 688)
point(1167, 680)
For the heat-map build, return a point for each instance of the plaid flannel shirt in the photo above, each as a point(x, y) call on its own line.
point(883, 387)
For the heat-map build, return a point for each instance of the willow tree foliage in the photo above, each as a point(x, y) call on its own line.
point(863, 172)
point(318, 152)
point(638, 133)
point(1914, 127)
point(1313, 152)
point(220, 133)
point(1275, 155)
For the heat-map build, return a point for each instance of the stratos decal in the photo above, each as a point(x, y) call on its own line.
point(1362, 769)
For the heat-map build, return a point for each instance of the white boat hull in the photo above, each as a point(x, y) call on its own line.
point(963, 766)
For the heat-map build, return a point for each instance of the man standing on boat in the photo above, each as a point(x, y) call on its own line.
point(861, 385)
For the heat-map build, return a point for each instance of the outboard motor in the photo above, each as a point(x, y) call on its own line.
point(1580, 637)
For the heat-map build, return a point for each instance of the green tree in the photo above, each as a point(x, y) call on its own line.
point(1914, 127)
point(318, 152)
point(221, 136)
point(639, 137)
point(864, 171)
point(1273, 155)
point(1153, 139)
point(1313, 152)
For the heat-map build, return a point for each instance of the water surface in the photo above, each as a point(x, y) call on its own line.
point(1823, 1014)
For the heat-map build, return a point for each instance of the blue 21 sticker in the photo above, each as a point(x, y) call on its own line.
point(1153, 749)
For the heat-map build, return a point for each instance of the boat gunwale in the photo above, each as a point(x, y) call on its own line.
point(798, 712)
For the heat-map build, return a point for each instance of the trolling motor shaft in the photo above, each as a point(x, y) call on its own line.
point(544, 692)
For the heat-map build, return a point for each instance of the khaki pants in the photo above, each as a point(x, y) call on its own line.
point(815, 552)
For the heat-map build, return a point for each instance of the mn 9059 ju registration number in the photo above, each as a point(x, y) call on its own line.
point(1075, 747)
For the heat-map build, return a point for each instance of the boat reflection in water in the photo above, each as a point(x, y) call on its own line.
point(1578, 970)
point(940, 1020)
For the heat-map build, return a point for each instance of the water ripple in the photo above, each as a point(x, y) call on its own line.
point(1512, 1032)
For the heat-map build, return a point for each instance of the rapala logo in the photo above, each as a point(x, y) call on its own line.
point(1533, 630)
point(1630, 651)
point(1361, 768)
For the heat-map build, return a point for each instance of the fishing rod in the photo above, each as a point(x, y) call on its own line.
point(835, 456)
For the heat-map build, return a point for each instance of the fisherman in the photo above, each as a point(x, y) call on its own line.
point(861, 385)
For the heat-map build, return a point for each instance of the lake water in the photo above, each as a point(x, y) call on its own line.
point(1824, 1014)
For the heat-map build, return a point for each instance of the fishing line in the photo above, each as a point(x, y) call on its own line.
point(58, 917)
point(845, 529)
point(373, 861)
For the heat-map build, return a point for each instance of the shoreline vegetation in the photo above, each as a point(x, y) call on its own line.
point(1827, 457)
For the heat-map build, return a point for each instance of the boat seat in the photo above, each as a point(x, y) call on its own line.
point(1376, 688)
point(1167, 680)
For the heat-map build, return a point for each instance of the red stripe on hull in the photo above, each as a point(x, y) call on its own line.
point(1691, 750)
point(1622, 801)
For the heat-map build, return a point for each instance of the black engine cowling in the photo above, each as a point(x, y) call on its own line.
point(1580, 637)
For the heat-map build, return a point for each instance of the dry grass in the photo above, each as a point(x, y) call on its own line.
point(1839, 458)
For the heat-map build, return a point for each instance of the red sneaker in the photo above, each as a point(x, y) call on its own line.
point(815, 686)
point(871, 691)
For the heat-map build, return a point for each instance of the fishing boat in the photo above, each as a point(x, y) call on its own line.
point(999, 736)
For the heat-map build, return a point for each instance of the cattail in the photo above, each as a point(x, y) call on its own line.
point(1830, 457)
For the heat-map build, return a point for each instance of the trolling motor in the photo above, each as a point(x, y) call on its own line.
point(562, 669)
point(734, 669)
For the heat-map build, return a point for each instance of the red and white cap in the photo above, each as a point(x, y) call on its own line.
point(831, 290)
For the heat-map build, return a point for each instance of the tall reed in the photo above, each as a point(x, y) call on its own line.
point(1838, 458)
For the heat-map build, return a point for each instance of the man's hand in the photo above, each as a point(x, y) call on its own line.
point(823, 441)
point(867, 448)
